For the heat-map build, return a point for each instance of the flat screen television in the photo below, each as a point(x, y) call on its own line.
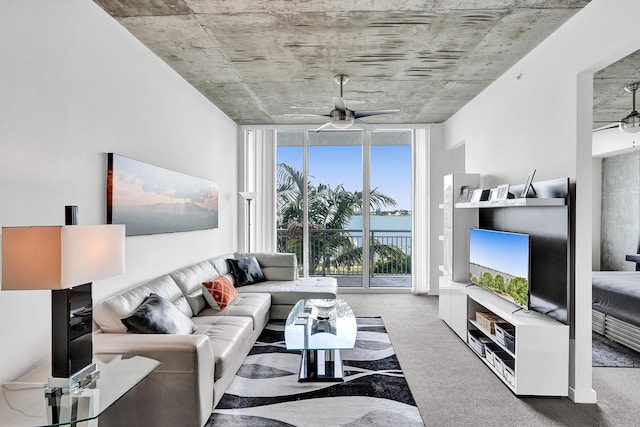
point(499, 262)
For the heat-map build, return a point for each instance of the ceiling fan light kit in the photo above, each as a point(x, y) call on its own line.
point(342, 119)
point(631, 123)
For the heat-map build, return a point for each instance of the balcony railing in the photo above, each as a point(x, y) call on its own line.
point(338, 252)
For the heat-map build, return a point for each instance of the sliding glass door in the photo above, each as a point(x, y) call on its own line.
point(323, 181)
point(335, 198)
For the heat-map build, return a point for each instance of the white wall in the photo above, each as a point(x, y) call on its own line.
point(76, 85)
point(606, 143)
point(543, 121)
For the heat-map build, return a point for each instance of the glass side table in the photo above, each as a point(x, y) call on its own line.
point(25, 401)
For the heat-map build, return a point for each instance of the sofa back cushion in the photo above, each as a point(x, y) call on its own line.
point(275, 266)
point(108, 313)
point(189, 280)
point(220, 263)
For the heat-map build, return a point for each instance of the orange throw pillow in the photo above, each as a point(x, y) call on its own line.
point(219, 293)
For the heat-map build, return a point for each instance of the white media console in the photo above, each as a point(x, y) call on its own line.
point(538, 364)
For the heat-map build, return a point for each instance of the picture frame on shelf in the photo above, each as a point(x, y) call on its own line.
point(477, 195)
point(502, 192)
point(528, 185)
point(493, 193)
point(466, 191)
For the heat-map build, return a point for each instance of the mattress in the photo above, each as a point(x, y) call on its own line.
point(617, 293)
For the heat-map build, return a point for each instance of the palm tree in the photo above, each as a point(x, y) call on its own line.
point(329, 209)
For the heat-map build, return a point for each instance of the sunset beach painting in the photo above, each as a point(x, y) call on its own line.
point(150, 200)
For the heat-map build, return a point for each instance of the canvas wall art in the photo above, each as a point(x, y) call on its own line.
point(149, 199)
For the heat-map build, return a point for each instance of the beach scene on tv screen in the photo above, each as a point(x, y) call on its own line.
point(500, 262)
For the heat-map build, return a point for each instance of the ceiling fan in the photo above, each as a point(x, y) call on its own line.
point(342, 117)
point(631, 122)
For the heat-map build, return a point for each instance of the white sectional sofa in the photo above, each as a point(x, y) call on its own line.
point(196, 369)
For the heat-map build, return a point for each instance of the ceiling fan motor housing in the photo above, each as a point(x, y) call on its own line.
point(342, 119)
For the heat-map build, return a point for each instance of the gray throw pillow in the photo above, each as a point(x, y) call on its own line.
point(158, 315)
point(245, 271)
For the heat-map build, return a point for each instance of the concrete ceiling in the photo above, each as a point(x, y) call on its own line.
point(610, 101)
point(270, 61)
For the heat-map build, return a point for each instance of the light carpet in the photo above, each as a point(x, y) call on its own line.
point(607, 353)
point(266, 391)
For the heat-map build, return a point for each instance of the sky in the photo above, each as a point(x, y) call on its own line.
point(334, 165)
point(140, 184)
point(506, 252)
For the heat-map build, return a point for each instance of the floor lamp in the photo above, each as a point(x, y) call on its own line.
point(248, 196)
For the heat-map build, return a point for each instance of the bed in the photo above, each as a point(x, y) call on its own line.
point(616, 306)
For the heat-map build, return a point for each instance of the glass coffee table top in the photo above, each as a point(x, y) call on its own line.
point(320, 324)
point(320, 328)
point(23, 402)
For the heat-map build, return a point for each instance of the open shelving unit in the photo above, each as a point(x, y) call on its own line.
point(452, 303)
point(512, 203)
point(539, 362)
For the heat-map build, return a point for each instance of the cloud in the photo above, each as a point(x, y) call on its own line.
point(139, 184)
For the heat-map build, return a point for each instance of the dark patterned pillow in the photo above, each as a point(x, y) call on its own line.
point(245, 271)
point(158, 315)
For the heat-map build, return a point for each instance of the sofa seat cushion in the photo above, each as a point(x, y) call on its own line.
point(229, 336)
point(252, 305)
point(290, 292)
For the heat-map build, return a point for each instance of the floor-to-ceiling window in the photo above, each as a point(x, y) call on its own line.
point(390, 227)
point(323, 181)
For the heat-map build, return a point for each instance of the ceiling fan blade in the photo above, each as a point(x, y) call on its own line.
point(339, 103)
point(366, 113)
point(364, 125)
point(323, 126)
point(310, 107)
point(306, 115)
point(605, 128)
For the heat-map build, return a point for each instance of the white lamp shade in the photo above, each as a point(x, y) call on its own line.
point(60, 257)
point(248, 195)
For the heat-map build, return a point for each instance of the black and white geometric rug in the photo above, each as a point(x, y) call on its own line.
point(266, 391)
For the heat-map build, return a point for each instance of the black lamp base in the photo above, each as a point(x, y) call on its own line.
point(71, 339)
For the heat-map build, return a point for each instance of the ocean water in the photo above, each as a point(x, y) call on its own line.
point(387, 229)
point(387, 224)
